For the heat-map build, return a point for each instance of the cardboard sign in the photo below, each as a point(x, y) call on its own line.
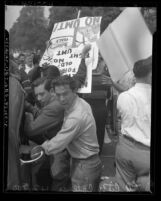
point(66, 43)
point(126, 40)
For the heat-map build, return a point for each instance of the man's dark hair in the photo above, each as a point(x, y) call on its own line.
point(51, 72)
point(42, 80)
point(64, 80)
point(143, 67)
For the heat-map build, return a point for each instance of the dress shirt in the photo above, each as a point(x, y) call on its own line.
point(78, 133)
point(134, 106)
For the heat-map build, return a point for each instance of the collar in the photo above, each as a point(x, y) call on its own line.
point(143, 85)
point(71, 108)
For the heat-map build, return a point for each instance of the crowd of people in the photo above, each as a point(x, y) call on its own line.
point(47, 114)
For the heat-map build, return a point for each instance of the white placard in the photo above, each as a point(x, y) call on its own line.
point(66, 43)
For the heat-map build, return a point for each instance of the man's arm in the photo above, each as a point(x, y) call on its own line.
point(81, 74)
point(49, 117)
point(69, 130)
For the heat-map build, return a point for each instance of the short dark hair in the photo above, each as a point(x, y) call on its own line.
point(64, 80)
point(143, 67)
point(52, 72)
point(43, 80)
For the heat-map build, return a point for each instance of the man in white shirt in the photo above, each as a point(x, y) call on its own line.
point(133, 148)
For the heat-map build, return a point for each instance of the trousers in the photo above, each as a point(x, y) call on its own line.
point(85, 174)
point(132, 161)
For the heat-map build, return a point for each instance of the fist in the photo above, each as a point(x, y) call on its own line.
point(36, 152)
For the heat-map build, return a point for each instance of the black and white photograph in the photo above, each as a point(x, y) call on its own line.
point(78, 98)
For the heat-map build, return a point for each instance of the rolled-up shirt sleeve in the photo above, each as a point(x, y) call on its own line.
point(70, 130)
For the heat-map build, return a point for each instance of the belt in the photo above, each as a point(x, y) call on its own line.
point(90, 157)
point(136, 142)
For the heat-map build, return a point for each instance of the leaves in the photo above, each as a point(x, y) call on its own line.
point(29, 32)
point(32, 30)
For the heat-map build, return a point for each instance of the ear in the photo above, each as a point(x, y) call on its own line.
point(75, 90)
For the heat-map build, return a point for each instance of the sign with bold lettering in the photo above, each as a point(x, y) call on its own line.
point(66, 43)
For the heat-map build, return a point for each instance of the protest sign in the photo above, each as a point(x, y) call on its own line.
point(126, 40)
point(66, 43)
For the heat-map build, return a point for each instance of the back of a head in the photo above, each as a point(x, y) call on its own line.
point(52, 72)
point(143, 67)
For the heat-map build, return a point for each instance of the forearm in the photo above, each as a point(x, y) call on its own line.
point(118, 87)
point(58, 143)
point(81, 74)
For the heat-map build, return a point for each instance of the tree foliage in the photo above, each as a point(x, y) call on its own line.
point(63, 13)
point(150, 16)
point(30, 30)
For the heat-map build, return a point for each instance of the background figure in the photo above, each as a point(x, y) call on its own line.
point(16, 179)
point(134, 106)
point(97, 99)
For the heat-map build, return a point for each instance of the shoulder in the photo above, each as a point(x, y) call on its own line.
point(54, 106)
point(125, 98)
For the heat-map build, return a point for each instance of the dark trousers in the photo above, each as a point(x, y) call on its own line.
point(52, 173)
point(99, 110)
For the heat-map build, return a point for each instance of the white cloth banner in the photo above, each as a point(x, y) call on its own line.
point(126, 40)
point(66, 43)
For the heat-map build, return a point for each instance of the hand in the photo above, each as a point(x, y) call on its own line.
point(86, 50)
point(28, 116)
point(106, 80)
point(36, 151)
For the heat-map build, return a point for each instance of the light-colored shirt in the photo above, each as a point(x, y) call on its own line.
point(134, 107)
point(78, 133)
point(28, 68)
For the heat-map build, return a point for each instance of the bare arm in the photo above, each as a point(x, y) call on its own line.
point(80, 76)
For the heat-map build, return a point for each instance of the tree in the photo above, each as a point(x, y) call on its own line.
point(149, 14)
point(64, 13)
point(61, 13)
point(30, 31)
